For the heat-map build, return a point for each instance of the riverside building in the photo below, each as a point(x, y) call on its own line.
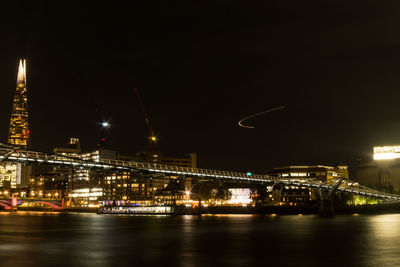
point(382, 172)
point(291, 194)
point(84, 186)
point(322, 173)
point(87, 188)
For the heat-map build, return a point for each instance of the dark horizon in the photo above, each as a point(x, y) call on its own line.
point(203, 67)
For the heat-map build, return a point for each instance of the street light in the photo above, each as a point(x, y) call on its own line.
point(105, 124)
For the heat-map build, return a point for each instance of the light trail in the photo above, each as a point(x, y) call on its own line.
point(240, 123)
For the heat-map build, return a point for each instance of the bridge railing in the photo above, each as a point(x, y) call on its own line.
point(41, 157)
point(26, 156)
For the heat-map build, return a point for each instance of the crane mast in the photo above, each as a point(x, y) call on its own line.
point(152, 138)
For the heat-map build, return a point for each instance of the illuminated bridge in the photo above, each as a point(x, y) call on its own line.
point(13, 154)
point(7, 203)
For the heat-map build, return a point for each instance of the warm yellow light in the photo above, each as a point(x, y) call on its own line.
point(153, 138)
point(386, 152)
point(21, 78)
point(386, 156)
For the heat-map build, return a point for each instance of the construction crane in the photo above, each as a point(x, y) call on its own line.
point(152, 137)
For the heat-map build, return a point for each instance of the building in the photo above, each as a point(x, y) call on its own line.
point(72, 148)
point(84, 186)
point(87, 188)
point(189, 160)
point(56, 186)
point(19, 126)
point(240, 196)
point(9, 173)
point(133, 187)
point(13, 175)
point(49, 185)
point(285, 194)
point(126, 187)
point(36, 186)
point(291, 194)
point(383, 171)
point(326, 174)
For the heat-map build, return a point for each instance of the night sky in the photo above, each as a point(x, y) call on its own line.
point(202, 66)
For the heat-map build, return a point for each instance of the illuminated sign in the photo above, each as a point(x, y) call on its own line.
point(386, 152)
point(240, 196)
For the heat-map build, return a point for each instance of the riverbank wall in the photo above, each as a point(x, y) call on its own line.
point(279, 210)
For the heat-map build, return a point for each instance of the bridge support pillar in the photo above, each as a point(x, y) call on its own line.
point(14, 202)
point(326, 208)
point(326, 200)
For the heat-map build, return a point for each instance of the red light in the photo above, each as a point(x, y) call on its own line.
point(14, 201)
point(21, 93)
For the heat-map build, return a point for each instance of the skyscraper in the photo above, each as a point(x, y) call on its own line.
point(19, 126)
point(14, 175)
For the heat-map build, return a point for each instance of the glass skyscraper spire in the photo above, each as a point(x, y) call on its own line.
point(19, 128)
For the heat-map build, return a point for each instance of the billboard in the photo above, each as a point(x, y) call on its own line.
point(386, 152)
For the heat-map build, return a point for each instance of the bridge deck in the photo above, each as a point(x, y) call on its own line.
point(13, 154)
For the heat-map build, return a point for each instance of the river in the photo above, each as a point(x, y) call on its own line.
point(84, 239)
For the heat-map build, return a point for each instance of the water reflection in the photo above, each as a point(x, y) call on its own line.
point(383, 240)
point(49, 239)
